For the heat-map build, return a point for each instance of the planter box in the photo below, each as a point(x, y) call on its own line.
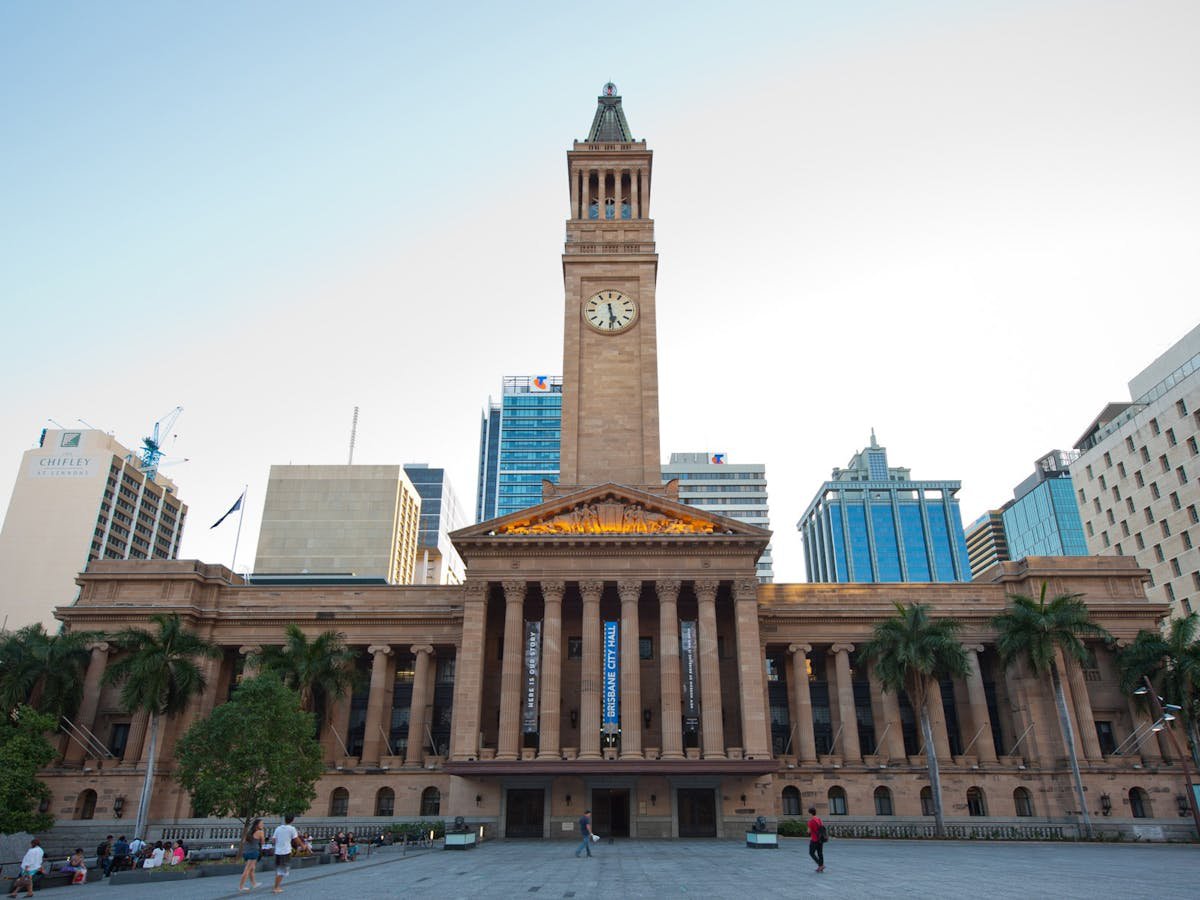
point(219, 869)
point(151, 876)
point(761, 839)
point(461, 841)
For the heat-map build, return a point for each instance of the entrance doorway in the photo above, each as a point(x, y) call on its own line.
point(697, 812)
point(610, 812)
point(524, 813)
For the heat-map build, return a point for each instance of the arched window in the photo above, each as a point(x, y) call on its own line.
point(1139, 804)
point(339, 802)
point(85, 806)
point(791, 801)
point(883, 801)
point(1023, 801)
point(431, 802)
point(837, 801)
point(927, 801)
point(975, 802)
point(385, 802)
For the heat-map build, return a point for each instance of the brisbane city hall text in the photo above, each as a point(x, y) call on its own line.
point(612, 648)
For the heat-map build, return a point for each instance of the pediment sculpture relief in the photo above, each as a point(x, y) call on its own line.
point(609, 516)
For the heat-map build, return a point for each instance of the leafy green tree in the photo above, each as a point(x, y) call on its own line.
point(24, 750)
point(159, 675)
point(319, 670)
point(911, 652)
point(1172, 663)
point(1036, 632)
point(253, 756)
point(44, 670)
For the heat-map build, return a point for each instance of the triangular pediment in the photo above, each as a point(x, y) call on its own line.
point(610, 509)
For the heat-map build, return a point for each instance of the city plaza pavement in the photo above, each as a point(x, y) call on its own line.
point(693, 868)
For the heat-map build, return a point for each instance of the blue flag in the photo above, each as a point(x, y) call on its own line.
point(236, 506)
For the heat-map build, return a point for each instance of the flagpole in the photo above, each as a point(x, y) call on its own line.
point(236, 540)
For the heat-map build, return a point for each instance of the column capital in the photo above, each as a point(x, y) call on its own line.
point(668, 588)
point(102, 646)
point(376, 649)
point(800, 648)
point(552, 591)
point(247, 649)
point(745, 589)
point(418, 649)
point(591, 590)
point(973, 648)
point(629, 591)
point(706, 590)
point(842, 648)
point(514, 591)
point(476, 591)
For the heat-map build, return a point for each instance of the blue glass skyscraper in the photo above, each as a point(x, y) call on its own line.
point(519, 445)
point(872, 523)
point(1043, 518)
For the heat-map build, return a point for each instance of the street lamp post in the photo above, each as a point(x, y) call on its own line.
point(1160, 714)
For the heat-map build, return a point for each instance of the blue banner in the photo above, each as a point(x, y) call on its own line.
point(612, 673)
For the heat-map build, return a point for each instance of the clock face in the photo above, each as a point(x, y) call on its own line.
point(610, 311)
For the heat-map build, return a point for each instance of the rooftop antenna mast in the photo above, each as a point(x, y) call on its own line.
point(353, 435)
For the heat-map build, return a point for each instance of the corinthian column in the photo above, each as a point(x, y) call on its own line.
point(712, 727)
point(847, 713)
point(510, 670)
point(756, 742)
point(551, 699)
point(85, 719)
point(590, 675)
point(668, 659)
point(806, 743)
point(631, 671)
point(416, 711)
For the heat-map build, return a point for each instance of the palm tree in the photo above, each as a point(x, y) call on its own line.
point(319, 670)
point(1172, 663)
point(1036, 631)
point(159, 675)
point(44, 670)
point(912, 652)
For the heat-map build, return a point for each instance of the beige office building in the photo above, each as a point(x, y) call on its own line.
point(79, 496)
point(359, 520)
point(1137, 479)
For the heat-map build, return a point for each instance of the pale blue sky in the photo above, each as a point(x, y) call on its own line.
point(966, 224)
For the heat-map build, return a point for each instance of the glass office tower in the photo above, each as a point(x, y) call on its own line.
point(519, 445)
point(437, 560)
point(872, 523)
point(1043, 517)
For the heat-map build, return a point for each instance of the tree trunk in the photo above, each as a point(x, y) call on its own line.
point(1064, 720)
point(1194, 743)
point(139, 828)
point(935, 775)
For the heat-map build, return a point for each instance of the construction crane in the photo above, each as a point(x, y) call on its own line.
point(152, 451)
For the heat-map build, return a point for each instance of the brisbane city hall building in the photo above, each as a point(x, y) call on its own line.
point(612, 648)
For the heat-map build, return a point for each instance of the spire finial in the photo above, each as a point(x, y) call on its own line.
point(874, 443)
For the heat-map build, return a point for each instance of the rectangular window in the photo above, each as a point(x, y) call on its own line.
point(1166, 529)
point(1116, 492)
point(1187, 606)
point(1196, 580)
point(1193, 514)
point(1191, 445)
point(1121, 469)
point(574, 648)
point(1103, 484)
point(1111, 518)
point(1154, 492)
point(1145, 455)
point(1091, 532)
point(1175, 504)
point(1108, 739)
point(1129, 444)
point(1120, 552)
point(1158, 554)
point(1187, 540)
point(645, 648)
point(1182, 475)
point(1171, 442)
point(1082, 498)
point(1139, 480)
point(1104, 537)
point(1140, 541)
point(1107, 459)
point(1124, 529)
point(1129, 505)
point(1181, 408)
point(1154, 429)
point(118, 738)
point(1164, 463)
point(1089, 473)
point(1170, 592)
point(1096, 505)
point(1175, 567)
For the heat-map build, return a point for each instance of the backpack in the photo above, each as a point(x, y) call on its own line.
point(823, 834)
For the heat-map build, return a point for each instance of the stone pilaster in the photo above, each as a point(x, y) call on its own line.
point(711, 726)
point(509, 743)
point(631, 671)
point(468, 674)
point(756, 740)
point(590, 675)
point(669, 674)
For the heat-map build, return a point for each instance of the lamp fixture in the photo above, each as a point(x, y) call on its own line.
point(478, 799)
point(1106, 804)
point(743, 798)
point(118, 806)
point(1140, 691)
point(568, 798)
point(1182, 802)
point(1157, 726)
point(646, 714)
point(653, 799)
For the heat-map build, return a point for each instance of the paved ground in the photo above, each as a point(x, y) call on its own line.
point(713, 869)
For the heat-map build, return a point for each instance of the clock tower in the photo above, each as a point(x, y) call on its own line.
point(610, 351)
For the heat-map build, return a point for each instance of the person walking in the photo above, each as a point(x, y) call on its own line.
point(104, 856)
point(283, 837)
point(31, 864)
point(585, 829)
point(120, 856)
point(252, 842)
point(816, 839)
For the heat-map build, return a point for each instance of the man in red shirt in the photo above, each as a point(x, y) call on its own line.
point(816, 844)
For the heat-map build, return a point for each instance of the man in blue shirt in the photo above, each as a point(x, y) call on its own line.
point(585, 828)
